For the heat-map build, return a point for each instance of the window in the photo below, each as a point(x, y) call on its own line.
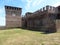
point(13, 14)
point(8, 12)
point(58, 16)
point(59, 8)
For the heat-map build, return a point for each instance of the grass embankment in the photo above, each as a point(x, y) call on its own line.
point(27, 37)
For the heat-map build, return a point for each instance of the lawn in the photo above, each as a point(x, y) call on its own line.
point(26, 37)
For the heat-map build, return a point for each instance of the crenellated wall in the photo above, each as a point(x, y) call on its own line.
point(43, 19)
point(48, 8)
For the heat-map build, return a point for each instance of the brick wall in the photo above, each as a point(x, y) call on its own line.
point(58, 25)
point(13, 21)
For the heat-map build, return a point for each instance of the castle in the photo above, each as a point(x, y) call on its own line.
point(46, 19)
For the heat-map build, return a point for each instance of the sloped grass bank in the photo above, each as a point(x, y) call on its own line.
point(27, 37)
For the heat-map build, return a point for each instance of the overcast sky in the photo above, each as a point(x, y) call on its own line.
point(26, 5)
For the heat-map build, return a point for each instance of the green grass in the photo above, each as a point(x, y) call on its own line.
point(27, 37)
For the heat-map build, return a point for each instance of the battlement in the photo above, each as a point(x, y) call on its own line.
point(45, 10)
point(12, 8)
point(49, 9)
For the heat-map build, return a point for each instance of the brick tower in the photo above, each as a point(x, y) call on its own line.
point(13, 16)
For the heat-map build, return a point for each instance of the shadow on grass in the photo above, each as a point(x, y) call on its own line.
point(46, 31)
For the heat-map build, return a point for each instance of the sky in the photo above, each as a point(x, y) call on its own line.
point(26, 5)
